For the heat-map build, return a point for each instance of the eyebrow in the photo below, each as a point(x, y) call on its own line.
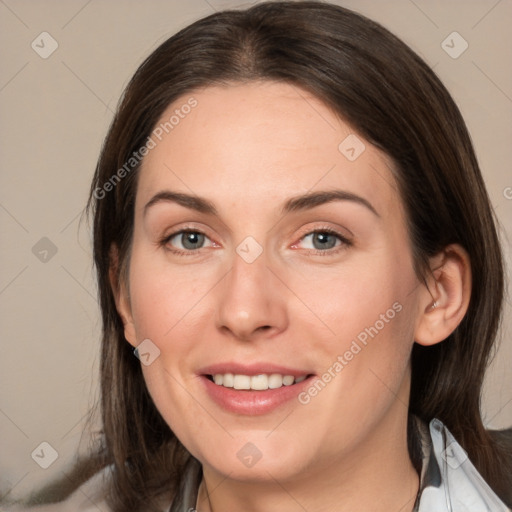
point(294, 204)
point(188, 201)
point(312, 199)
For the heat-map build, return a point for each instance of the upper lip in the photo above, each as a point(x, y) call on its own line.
point(251, 369)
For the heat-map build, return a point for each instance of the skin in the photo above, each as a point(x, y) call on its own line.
point(248, 148)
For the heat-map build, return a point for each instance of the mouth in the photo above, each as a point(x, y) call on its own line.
point(252, 390)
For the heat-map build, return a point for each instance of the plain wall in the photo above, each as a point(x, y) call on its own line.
point(54, 115)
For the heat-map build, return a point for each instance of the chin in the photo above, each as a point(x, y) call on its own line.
point(257, 458)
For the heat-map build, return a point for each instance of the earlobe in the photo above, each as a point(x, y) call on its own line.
point(445, 302)
point(121, 297)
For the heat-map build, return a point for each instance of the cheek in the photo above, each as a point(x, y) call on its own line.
point(170, 307)
point(365, 365)
point(367, 307)
point(362, 299)
point(166, 299)
point(177, 405)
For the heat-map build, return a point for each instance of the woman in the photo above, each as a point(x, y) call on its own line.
point(293, 237)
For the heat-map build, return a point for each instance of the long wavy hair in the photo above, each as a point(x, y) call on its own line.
point(393, 99)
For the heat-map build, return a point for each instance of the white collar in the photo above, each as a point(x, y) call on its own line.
point(449, 481)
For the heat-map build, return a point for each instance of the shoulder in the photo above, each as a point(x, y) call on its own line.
point(449, 481)
point(89, 497)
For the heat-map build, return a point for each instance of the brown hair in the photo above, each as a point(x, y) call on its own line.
point(394, 100)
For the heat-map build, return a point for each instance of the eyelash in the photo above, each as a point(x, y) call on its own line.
point(345, 242)
point(166, 239)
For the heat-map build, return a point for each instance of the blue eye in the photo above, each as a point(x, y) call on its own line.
point(322, 240)
point(187, 240)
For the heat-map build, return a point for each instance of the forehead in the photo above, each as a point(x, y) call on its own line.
point(262, 142)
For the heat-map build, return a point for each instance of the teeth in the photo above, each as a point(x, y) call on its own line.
point(275, 381)
point(227, 380)
point(242, 382)
point(260, 382)
point(288, 380)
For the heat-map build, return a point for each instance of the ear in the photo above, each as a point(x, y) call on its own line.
point(121, 296)
point(445, 301)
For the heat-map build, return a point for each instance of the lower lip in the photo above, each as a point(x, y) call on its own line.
point(250, 402)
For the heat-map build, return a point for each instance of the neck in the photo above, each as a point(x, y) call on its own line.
point(378, 475)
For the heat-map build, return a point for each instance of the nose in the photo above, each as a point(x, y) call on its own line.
point(251, 301)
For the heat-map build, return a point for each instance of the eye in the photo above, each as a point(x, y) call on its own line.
point(187, 241)
point(323, 241)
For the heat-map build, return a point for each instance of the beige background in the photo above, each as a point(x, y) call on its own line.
point(54, 114)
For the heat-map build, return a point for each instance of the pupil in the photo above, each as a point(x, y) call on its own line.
point(325, 241)
point(192, 240)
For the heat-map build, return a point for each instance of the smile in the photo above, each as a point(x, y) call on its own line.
point(261, 382)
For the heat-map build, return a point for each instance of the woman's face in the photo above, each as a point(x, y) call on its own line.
point(270, 246)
